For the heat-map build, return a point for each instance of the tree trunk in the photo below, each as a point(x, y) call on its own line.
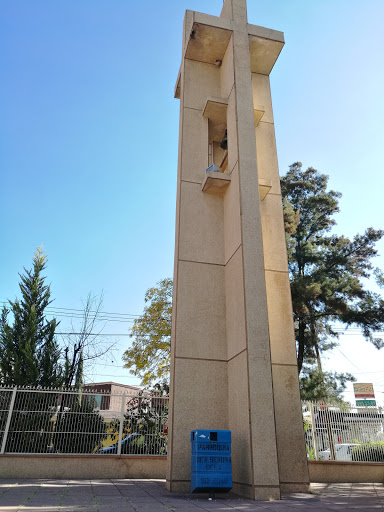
point(300, 350)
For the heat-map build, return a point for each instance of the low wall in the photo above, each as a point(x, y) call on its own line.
point(341, 472)
point(147, 466)
point(82, 466)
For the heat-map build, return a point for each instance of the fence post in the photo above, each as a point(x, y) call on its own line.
point(121, 424)
point(315, 450)
point(10, 411)
point(330, 434)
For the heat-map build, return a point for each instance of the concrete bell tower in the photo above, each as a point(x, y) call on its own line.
point(233, 360)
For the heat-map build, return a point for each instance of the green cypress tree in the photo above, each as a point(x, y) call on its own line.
point(29, 353)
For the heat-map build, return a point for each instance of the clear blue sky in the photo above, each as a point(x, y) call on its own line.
point(89, 134)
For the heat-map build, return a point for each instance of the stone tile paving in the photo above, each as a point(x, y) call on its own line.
point(42, 495)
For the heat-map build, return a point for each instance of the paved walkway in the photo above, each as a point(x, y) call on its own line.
point(151, 496)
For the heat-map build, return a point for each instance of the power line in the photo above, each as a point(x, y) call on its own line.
point(91, 334)
point(355, 373)
point(102, 334)
point(379, 371)
point(112, 365)
point(81, 311)
point(54, 308)
point(108, 375)
point(353, 364)
point(351, 330)
point(99, 319)
point(142, 335)
point(104, 316)
point(377, 333)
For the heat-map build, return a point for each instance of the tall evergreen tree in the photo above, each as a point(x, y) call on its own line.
point(29, 354)
point(326, 272)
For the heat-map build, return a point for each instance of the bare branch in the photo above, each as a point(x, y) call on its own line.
point(88, 344)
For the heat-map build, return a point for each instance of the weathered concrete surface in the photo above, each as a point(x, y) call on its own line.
point(82, 466)
point(338, 471)
point(104, 495)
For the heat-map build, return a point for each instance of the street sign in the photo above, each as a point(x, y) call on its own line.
point(363, 390)
point(365, 403)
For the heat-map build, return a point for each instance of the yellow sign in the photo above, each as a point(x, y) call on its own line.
point(363, 390)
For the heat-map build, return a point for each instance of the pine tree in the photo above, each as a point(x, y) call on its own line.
point(326, 273)
point(29, 354)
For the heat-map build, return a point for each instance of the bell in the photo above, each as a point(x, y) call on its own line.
point(212, 167)
point(224, 142)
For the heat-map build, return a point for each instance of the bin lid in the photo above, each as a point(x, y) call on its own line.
point(209, 436)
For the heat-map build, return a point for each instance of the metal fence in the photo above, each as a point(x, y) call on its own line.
point(82, 422)
point(343, 432)
point(43, 421)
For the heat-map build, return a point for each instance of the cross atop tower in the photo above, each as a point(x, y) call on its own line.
point(206, 38)
point(235, 10)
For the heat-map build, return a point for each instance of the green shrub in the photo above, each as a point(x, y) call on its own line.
point(369, 452)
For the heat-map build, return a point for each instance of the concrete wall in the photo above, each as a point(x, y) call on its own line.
point(112, 466)
point(82, 466)
point(337, 471)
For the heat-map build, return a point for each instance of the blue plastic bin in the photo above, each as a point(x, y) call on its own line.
point(211, 464)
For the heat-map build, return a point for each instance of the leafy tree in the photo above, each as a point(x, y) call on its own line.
point(29, 353)
point(149, 355)
point(326, 273)
point(145, 429)
point(147, 416)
